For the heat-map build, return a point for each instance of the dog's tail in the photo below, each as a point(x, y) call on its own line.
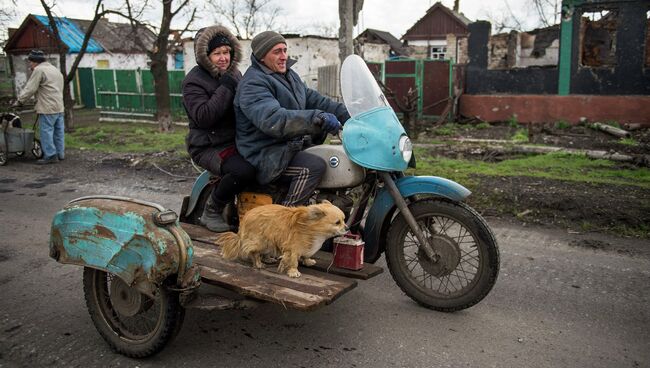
point(230, 245)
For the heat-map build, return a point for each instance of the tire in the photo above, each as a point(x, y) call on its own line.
point(137, 326)
point(37, 151)
point(469, 263)
point(20, 154)
point(3, 158)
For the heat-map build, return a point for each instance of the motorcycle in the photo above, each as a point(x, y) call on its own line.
point(143, 265)
point(440, 251)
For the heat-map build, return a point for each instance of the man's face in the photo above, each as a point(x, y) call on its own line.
point(220, 57)
point(276, 59)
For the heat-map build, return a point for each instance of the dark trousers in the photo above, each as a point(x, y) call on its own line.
point(303, 176)
point(236, 173)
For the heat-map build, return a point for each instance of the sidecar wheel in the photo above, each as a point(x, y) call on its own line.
point(469, 256)
point(131, 323)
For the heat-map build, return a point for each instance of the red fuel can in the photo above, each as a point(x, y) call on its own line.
point(348, 252)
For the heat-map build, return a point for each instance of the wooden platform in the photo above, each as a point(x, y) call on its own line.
point(313, 289)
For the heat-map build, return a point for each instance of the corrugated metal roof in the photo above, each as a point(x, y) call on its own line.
point(71, 34)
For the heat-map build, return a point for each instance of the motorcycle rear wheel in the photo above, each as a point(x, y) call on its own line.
point(469, 256)
point(130, 322)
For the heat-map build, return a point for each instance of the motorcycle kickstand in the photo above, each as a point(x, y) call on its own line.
point(408, 216)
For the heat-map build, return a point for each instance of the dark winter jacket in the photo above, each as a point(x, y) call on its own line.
point(209, 104)
point(274, 114)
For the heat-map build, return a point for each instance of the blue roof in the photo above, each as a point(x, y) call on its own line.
point(71, 35)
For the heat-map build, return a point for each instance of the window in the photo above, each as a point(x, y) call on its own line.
point(102, 64)
point(438, 52)
point(598, 38)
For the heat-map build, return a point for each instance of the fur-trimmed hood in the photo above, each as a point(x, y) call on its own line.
point(203, 37)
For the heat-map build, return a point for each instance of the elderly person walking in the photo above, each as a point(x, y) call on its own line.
point(46, 84)
point(208, 93)
point(278, 116)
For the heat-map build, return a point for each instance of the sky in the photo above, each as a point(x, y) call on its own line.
point(308, 16)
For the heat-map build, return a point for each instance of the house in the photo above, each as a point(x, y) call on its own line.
point(112, 45)
point(373, 44)
point(440, 34)
point(311, 52)
point(593, 66)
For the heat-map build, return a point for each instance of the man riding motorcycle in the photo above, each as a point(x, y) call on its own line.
point(278, 116)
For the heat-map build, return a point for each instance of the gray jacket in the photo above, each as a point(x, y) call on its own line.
point(46, 84)
point(277, 115)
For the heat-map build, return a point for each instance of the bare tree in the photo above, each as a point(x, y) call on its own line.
point(348, 17)
point(247, 17)
point(506, 20)
point(68, 102)
point(158, 52)
point(547, 11)
point(7, 13)
point(540, 13)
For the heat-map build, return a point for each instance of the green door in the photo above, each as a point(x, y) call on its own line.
point(85, 87)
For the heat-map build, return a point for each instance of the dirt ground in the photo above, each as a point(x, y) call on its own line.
point(624, 210)
point(621, 210)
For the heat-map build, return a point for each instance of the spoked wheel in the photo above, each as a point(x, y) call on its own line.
point(131, 323)
point(37, 151)
point(467, 265)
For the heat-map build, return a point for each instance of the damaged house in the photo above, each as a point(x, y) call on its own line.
point(594, 66)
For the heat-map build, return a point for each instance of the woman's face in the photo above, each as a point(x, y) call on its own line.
point(220, 57)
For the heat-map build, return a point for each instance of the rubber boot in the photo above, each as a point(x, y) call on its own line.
point(212, 217)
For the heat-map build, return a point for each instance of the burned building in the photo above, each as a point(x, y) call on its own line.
point(601, 71)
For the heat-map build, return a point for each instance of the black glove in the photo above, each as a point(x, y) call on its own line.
point(229, 81)
point(329, 123)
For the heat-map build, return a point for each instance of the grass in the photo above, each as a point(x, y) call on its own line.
point(629, 142)
point(127, 137)
point(520, 136)
point(558, 166)
point(445, 130)
point(562, 124)
point(512, 121)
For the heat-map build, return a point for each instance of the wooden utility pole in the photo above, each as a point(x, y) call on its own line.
point(348, 16)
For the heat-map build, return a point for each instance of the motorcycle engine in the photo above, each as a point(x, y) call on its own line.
point(339, 198)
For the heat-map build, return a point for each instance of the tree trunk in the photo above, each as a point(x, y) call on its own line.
point(346, 47)
point(161, 88)
point(68, 104)
point(159, 71)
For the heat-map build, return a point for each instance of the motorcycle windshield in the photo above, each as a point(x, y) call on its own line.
point(359, 88)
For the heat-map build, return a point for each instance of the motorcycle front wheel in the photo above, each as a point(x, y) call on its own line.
point(467, 261)
point(130, 322)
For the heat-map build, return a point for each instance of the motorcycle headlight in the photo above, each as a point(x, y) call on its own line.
point(406, 148)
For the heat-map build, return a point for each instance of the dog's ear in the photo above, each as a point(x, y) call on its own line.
point(315, 213)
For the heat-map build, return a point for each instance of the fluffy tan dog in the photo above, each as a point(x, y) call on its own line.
point(292, 232)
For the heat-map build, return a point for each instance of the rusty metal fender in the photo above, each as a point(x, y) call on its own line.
point(140, 242)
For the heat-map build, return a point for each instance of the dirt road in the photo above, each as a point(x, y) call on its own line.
point(557, 302)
